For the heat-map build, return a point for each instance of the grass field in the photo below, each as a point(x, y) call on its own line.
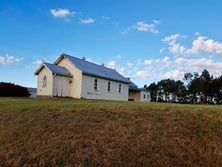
point(68, 132)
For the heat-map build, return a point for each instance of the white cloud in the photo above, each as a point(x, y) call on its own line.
point(111, 64)
point(87, 21)
point(174, 74)
point(148, 62)
point(143, 74)
point(205, 45)
point(156, 21)
point(142, 26)
point(180, 66)
point(121, 70)
point(10, 59)
point(174, 47)
point(200, 45)
point(38, 62)
point(130, 65)
point(61, 13)
point(197, 65)
point(172, 38)
point(174, 68)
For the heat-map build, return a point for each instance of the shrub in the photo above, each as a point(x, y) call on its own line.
point(9, 89)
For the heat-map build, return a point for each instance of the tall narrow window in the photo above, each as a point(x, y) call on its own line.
point(44, 83)
point(95, 84)
point(108, 89)
point(120, 88)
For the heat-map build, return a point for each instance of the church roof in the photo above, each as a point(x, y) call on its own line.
point(58, 70)
point(95, 70)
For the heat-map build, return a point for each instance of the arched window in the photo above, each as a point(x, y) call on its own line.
point(95, 84)
point(44, 83)
point(109, 84)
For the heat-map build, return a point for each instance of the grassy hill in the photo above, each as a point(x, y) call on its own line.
point(68, 132)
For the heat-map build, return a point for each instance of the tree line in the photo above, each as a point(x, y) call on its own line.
point(195, 88)
point(12, 90)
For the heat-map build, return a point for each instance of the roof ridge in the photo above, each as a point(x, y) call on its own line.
point(88, 62)
point(96, 70)
point(55, 65)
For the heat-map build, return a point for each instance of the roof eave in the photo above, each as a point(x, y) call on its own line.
point(39, 69)
point(107, 78)
point(69, 76)
point(59, 59)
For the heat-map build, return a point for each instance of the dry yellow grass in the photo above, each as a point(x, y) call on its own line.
point(67, 132)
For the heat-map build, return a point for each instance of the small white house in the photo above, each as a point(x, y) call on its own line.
point(73, 77)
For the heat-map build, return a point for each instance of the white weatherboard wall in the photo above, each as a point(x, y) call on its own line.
point(61, 86)
point(144, 96)
point(44, 91)
point(88, 91)
point(76, 80)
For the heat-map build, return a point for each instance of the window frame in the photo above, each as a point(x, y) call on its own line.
point(96, 84)
point(109, 87)
point(44, 82)
point(120, 88)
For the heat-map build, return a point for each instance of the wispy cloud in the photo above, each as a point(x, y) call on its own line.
point(38, 62)
point(87, 21)
point(8, 59)
point(111, 64)
point(143, 27)
point(61, 13)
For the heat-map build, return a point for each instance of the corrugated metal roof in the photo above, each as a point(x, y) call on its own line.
point(58, 70)
point(96, 70)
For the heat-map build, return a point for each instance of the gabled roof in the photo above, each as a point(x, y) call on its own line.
point(95, 70)
point(58, 70)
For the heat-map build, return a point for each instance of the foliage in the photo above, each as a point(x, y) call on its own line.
point(12, 90)
point(202, 88)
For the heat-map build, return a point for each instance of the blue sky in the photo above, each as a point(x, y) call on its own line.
point(146, 40)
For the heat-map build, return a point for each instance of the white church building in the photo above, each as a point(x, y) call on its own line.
point(77, 78)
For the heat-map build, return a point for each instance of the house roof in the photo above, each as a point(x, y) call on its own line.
point(58, 70)
point(95, 70)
